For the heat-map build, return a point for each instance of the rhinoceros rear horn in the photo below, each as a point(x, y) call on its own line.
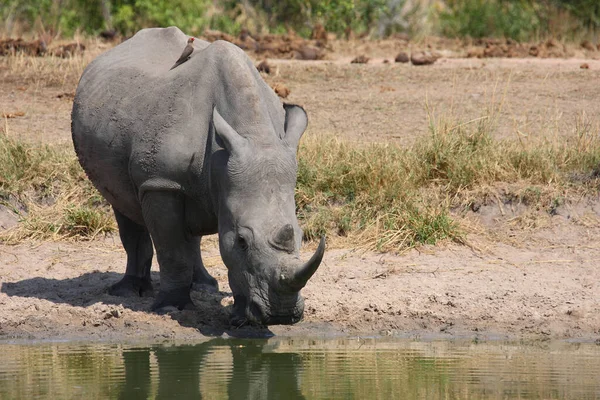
point(303, 273)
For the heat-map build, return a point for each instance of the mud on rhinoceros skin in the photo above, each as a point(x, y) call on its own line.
point(204, 148)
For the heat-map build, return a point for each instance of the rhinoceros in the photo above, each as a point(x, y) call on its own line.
point(201, 149)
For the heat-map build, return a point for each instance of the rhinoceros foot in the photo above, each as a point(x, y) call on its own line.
point(179, 298)
point(131, 286)
point(206, 284)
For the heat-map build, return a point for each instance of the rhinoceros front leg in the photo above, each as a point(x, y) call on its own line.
point(138, 246)
point(176, 250)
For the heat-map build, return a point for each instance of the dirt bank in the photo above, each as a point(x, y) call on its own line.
point(546, 287)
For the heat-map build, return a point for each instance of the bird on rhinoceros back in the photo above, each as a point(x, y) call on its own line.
point(185, 55)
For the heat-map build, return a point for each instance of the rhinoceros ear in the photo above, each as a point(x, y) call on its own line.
point(233, 141)
point(295, 123)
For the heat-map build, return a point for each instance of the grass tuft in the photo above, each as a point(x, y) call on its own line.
point(387, 197)
point(50, 193)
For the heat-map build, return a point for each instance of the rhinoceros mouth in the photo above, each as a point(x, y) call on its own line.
point(254, 315)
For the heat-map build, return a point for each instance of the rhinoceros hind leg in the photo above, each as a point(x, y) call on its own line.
point(131, 286)
point(202, 280)
point(138, 246)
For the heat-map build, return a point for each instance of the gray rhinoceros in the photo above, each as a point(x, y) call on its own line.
point(204, 148)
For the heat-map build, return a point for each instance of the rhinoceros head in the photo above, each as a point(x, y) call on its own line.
point(259, 235)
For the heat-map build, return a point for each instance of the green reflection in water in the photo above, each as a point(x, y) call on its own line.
point(300, 368)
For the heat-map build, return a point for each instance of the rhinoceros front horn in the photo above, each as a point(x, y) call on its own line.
point(302, 274)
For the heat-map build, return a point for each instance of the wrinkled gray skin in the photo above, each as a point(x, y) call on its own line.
point(204, 148)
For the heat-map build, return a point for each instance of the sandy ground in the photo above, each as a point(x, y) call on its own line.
point(549, 287)
point(508, 282)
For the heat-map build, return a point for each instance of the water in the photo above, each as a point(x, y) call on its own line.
point(301, 369)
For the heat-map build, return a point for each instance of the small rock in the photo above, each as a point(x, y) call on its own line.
point(584, 66)
point(66, 96)
point(308, 53)
point(281, 90)
point(264, 67)
point(402, 57)
point(534, 51)
point(109, 34)
point(422, 58)
point(362, 59)
point(386, 61)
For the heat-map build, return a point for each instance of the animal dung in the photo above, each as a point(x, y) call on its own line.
point(402, 57)
point(281, 90)
point(13, 46)
point(68, 50)
point(109, 34)
point(586, 44)
point(264, 66)
point(490, 47)
point(362, 59)
point(585, 66)
point(66, 96)
point(422, 58)
point(308, 53)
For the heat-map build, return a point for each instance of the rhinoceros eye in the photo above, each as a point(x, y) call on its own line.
point(242, 242)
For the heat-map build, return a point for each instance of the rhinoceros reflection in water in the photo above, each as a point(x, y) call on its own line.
point(253, 373)
point(201, 149)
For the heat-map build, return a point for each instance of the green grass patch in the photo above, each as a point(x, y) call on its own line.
point(379, 196)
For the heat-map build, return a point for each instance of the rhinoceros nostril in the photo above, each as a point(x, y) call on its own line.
point(256, 313)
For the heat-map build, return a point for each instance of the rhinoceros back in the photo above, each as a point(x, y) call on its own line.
point(112, 111)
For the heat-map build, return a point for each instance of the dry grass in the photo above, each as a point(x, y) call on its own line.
point(378, 196)
point(386, 197)
point(50, 193)
point(49, 71)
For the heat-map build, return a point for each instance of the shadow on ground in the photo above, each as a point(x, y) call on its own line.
point(210, 317)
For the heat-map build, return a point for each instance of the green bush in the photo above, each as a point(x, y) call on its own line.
point(586, 11)
point(190, 16)
point(516, 19)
